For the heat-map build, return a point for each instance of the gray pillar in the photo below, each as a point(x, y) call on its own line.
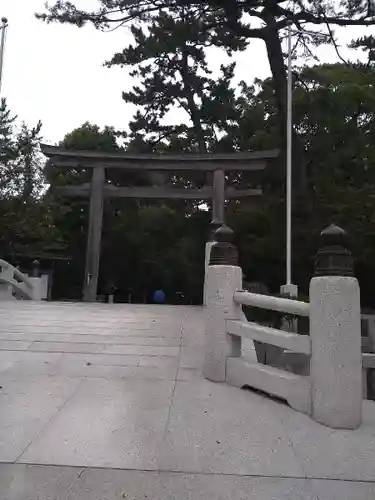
point(94, 235)
point(336, 360)
point(224, 277)
point(335, 332)
point(209, 245)
point(218, 199)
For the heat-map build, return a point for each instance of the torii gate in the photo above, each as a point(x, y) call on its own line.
point(159, 166)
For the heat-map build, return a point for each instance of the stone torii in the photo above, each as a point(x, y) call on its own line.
point(158, 167)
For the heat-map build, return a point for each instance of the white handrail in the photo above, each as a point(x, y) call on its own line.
point(288, 306)
point(21, 285)
point(17, 287)
point(368, 360)
point(16, 273)
point(287, 340)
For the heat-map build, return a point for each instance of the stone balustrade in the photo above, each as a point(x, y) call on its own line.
point(16, 285)
point(332, 392)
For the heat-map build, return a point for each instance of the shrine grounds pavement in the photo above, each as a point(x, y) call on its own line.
point(107, 402)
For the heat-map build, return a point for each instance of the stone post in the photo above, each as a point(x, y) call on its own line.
point(35, 270)
point(5, 289)
point(110, 291)
point(335, 331)
point(214, 225)
point(371, 332)
point(369, 373)
point(224, 277)
point(36, 281)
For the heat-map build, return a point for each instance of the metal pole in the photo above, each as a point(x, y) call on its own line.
point(4, 20)
point(289, 164)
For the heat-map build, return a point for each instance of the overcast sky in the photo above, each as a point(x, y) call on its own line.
point(54, 72)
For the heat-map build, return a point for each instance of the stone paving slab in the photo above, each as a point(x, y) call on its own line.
point(65, 347)
point(107, 423)
point(20, 364)
point(23, 482)
point(213, 429)
point(32, 337)
point(342, 490)
point(27, 405)
point(129, 340)
point(9, 345)
point(143, 350)
point(189, 374)
point(26, 482)
point(329, 453)
point(136, 401)
point(191, 357)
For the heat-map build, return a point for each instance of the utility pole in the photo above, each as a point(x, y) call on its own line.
point(3, 29)
point(289, 163)
point(289, 288)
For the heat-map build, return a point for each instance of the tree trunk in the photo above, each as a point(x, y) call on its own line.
point(193, 109)
point(196, 119)
point(28, 173)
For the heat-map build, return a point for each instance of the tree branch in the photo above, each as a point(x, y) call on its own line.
point(331, 34)
point(338, 21)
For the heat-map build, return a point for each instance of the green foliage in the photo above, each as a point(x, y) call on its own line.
point(144, 244)
point(366, 44)
point(333, 111)
point(26, 214)
point(173, 73)
point(148, 244)
point(20, 160)
point(228, 24)
point(8, 150)
point(163, 27)
point(71, 215)
point(90, 137)
point(86, 137)
point(153, 246)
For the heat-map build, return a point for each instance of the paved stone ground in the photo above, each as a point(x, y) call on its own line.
point(107, 402)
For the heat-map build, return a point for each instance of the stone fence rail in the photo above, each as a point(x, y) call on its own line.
point(17, 285)
point(332, 392)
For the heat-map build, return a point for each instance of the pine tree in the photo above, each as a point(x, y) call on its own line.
point(21, 165)
point(8, 148)
point(239, 20)
point(173, 73)
point(29, 163)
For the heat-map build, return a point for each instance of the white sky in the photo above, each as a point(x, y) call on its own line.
point(54, 72)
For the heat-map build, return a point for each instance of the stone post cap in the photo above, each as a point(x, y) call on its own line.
point(215, 224)
point(333, 235)
point(224, 234)
point(333, 257)
point(35, 272)
point(223, 252)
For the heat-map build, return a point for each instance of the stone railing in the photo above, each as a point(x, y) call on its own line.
point(332, 392)
point(368, 355)
point(17, 285)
